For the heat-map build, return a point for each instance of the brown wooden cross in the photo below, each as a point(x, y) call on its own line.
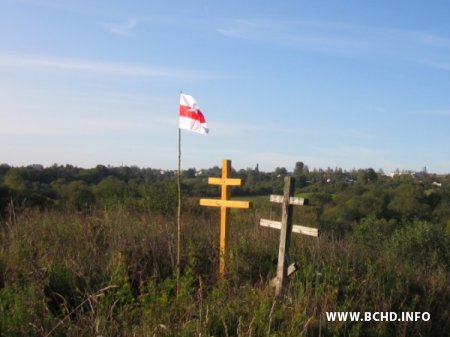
point(286, 228)
point(225, 204)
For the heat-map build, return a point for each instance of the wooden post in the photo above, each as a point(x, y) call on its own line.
point(179, 211)
point(286, 227)
point(285, 234)
point(225, 204)
point(225, 194)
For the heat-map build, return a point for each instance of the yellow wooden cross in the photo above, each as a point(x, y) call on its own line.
point(225, 204)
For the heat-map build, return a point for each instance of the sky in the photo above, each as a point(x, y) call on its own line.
point(348, 84)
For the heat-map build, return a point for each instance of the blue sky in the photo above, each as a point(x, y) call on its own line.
point(351, 84)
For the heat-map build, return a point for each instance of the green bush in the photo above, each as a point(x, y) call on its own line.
point(23, 312)
point(422, 244)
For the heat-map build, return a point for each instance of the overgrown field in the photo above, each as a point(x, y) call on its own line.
point(92, 252)
point(112, 273)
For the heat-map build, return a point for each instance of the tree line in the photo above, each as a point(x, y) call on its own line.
point(339, 197)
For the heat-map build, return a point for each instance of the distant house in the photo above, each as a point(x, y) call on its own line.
point(406, 172)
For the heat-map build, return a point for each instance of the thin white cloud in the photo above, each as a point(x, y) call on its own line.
point(433, 40)
point(44, 114)
point(125, 28)
point(435, 64)
point(307, 35)
point(350, 151)
point(54, 125)
point(432, 113)
point(345, 39)
point(229, 129)
point(107, 68)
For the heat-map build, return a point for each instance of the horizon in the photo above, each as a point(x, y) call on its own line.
point(347, 85)
point(197, 169)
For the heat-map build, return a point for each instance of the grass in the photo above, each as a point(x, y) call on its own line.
point(112, 273)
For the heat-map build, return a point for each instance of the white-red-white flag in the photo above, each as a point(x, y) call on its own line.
point(191, 118)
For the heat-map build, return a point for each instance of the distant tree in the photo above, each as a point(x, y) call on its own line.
point(299, 174)
point(422, 243)
point(189, 173)
point(364, 176)
point(372, 176)
point(441, 210)
point(15, 181)
point(215, 171)
point(99, 173)
point(159, 198)
point(111, 190)
point(299, 167)
point(4, 199)
point(409, 202)
point(3, 169)
point(78, 195)
point(280, 172)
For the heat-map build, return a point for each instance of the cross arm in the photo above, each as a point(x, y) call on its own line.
point(226, 181)
point(292, 200)
point(295, 228)
point(226, 203)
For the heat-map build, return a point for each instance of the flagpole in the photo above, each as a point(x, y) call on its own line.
point(179, 210)
point(197, 123)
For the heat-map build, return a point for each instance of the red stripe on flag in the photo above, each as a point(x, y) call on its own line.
point(185, 111)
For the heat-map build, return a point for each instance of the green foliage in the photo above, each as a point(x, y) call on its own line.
point(117, 307)
point(110, 191)
point(341, 198)
point(22, 311)
point(62, 289)
point(75, 194)
point(422, 244)
point(14, 180)
point(242, 260)
point(159, 198)
point(372, 232)
point(409, 202)
point(5, 198)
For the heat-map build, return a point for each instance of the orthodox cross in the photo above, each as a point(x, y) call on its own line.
point(225, 204)
point(286, 228)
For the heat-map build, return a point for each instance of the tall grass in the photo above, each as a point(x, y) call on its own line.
point(111, 273)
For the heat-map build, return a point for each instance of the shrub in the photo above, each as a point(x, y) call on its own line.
point(422, 244)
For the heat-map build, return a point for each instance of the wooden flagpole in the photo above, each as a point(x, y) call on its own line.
point(179, 188)
point(179, 209)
